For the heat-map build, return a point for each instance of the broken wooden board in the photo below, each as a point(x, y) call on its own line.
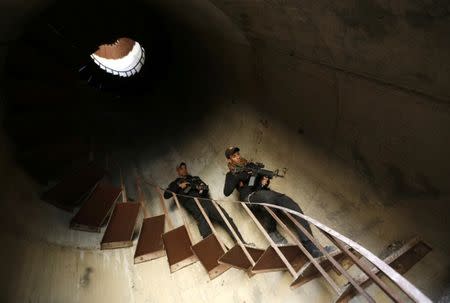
point(72, 189)
point(209, 251)
point(119, 231)
point(178, 248)
point(94, 211)
point(401, 260)
point(309, 272)
point(236, 257)
point(271, 261)
point(150, 245)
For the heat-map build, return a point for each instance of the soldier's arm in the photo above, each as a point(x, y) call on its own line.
point(231, 181)
point(173, 187)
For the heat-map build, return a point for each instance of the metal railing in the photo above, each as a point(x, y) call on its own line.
point(368, 263)
point(347, 247)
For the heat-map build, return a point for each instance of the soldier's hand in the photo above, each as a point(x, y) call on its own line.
point(264, 181)
point(183, 185)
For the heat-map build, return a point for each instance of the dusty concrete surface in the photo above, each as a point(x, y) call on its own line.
point(352, 98)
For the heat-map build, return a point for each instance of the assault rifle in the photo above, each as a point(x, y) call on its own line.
point(194, 182)
point(256, 169)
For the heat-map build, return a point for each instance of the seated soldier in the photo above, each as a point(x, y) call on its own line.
point(260, 193)
point(186, 185)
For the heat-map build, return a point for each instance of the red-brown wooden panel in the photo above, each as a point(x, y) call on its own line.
point(120, 228)
point(96, 208)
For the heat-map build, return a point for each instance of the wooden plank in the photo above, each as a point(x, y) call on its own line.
point(362, 266)
point(401, 260)
point(150, 245)
point(269, 239)
point(330, 258)
point(313, 261)
point(209, 251)
point(413, 292)
point(309, 272)
point(178, 248)
point(236, 257)
point(270, 261)
point(205, 215)
point(68, 193)
point(236, 238)
point(96, 208)
point(121, 225)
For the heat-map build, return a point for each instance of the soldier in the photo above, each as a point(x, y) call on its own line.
point(186, 186)
point(259, 192)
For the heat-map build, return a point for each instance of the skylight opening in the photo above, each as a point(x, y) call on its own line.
point(124, 58)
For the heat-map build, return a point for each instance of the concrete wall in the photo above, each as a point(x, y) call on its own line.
point(368, 80)
point(350, 97)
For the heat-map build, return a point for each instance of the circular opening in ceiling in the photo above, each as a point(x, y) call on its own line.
point(123, 58)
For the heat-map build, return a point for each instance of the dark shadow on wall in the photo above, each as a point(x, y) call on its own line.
point(54, 115)
point(367, 16)
point(418, 188)
point(393, 183)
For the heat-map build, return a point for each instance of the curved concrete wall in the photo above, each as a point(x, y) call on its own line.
point(349, 97)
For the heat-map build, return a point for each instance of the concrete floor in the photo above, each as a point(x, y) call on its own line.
point(352, 98)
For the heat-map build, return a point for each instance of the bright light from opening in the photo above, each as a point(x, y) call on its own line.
point(124, 58)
